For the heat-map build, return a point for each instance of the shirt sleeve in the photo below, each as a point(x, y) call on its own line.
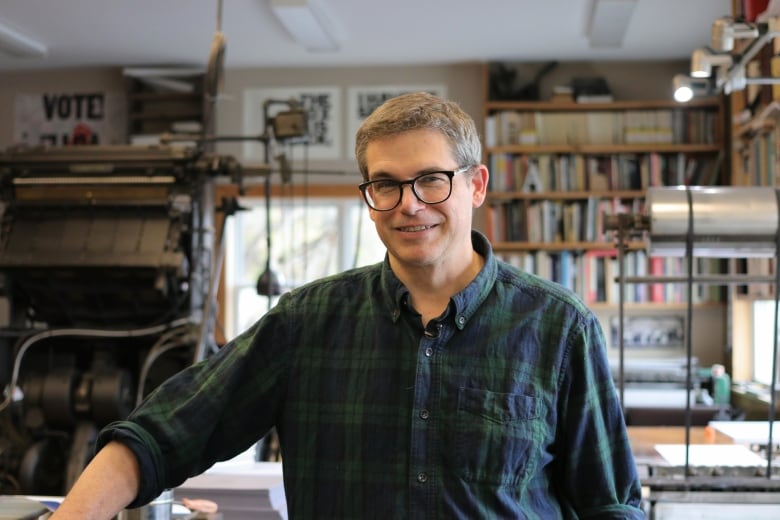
point(142, 446)
point(597, 466)
point(209, 412)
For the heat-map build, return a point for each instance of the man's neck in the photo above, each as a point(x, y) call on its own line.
point(432, 287)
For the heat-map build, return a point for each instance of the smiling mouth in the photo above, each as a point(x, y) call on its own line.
point(414, 229)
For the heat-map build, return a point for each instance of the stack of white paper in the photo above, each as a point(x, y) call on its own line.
point(709, 455)
point(748, 432)
point(13, 507)
point(243, 489)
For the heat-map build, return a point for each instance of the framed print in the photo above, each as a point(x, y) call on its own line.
point(323, 113)
point(361, 101)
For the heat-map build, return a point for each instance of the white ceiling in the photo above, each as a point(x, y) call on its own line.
point(391, 32)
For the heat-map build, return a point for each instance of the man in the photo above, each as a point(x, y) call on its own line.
point(440, 383)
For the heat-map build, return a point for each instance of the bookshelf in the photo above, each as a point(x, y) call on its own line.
point(755, 138)
point(755, 133)
point(557, 168)
point(164, 101)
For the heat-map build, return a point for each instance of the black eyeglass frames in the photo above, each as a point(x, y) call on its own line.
point(430, 188)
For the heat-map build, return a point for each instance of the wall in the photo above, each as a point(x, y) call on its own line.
point(627, 80)
point(463, 84)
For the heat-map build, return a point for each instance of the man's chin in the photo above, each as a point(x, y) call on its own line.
point(414, 257)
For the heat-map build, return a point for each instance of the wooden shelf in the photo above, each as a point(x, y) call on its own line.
point(165, 96)
point(564, 195)
point(763, 121)
point(562, 246)
point(606, 149)
point(167, 116)
point(152, 110)
point(549, 106)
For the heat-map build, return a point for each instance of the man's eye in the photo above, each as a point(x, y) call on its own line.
point(384, 186)
point(432, 180)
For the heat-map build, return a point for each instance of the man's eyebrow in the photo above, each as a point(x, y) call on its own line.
point(387, 175)
point(380, 175)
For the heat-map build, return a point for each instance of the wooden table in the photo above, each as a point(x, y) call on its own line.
point(644, 438)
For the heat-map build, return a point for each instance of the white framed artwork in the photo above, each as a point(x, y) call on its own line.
point(361, 101)
point(323, 111)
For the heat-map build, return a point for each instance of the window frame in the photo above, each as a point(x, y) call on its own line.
point(298, 195)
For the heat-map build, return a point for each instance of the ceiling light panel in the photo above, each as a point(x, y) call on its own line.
point(609, 20)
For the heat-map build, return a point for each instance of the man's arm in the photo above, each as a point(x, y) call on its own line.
point(599, 472)
point(109, 482)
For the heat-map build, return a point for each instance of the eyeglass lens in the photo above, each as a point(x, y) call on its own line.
point(430, 188)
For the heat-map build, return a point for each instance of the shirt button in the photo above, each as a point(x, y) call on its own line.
point(461, 320)
point(424, 414)
point(422, 477)
point(428, 352)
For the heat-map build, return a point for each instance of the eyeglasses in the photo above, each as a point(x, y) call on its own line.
point(430, 188)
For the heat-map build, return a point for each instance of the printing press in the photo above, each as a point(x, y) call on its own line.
point(705, 468)
point(108, 261)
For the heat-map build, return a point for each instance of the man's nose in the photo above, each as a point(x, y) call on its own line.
point(411, 198)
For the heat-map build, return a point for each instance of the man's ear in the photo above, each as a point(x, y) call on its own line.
point(479, 182)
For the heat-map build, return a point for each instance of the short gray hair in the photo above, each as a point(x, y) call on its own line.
point(421, 111)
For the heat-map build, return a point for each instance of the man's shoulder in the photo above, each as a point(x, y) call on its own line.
point(538, 287)
point(350, 280)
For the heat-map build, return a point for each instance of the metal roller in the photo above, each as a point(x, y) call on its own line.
point(41, 469)
point(726, 221)
point(112, 396)
point(57, 397)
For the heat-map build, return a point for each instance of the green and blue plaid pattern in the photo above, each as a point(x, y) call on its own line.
point(503, 407)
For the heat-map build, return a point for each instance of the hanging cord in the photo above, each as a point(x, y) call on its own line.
point(363, 210)
point(269, 290)
point(772, 398)
point(169, 340)
point(688, 339)
point(288, 213)
point(358, 234)
point(621, 250)
point(299, 268)
point(305, 208)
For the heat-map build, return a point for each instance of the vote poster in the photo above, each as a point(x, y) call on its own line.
point(70, 118)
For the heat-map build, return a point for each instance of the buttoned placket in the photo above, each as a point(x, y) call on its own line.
point(422, 463)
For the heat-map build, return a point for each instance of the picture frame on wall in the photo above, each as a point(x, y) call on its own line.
point(649, 332)
point(362, 100)
point(323, 113)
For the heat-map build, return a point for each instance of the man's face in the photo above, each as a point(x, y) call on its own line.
point(417, 234)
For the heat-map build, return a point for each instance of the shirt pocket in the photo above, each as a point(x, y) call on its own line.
point(496, 436)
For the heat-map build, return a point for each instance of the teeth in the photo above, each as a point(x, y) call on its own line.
point(415, 228)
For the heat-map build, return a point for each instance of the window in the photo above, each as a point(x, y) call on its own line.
point(763, 340)
point(310, 238)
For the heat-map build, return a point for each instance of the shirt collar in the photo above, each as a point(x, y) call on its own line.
point(466, 302)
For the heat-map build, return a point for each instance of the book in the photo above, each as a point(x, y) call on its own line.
point(599, 272)
point(595, 98)
point(656, 268)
